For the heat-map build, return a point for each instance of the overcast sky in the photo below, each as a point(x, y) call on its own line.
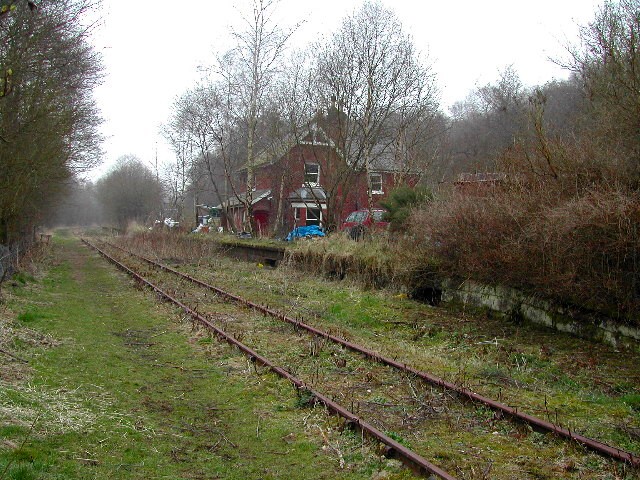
point(153, 50)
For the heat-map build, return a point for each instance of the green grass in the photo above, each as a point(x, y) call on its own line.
point(365, 311)
point(23, 278)
point(632, 400)
point(541, 371)
point(130, 393)
point(31, 314)
point(232, 240)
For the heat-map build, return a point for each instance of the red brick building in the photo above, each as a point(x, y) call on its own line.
point(308, 182)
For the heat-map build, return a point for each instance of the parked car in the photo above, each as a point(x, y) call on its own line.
point(360, 221)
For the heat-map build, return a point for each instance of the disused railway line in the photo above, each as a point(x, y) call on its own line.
point(464, 393)
point(395, 448)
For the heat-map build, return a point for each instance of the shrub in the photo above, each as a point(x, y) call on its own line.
point(580, 249)
point(172, 245)
point(400, 203)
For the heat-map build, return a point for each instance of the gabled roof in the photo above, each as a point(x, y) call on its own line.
point(236, 201)
point(315, 135)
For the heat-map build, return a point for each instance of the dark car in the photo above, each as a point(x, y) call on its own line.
point(360, 221)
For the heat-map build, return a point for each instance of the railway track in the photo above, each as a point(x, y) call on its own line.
point(395, 448)
point(410, 374)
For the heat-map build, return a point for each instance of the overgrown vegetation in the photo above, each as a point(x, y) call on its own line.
point(117, 387)
point(370, 262)
point(400, 203)
point(48, 118)
point(579, 250)
point(562, 218)
point(585, 386)
point(172, 245)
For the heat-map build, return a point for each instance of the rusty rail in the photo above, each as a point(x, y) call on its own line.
point(408, 456)
point(512, 412)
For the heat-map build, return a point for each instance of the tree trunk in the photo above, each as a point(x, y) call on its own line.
point(278, 221)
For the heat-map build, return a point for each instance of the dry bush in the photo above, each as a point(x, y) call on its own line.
point(370, 262)
point(171, 245)
point(589, 250)
point(574, 244)
point(469, 235)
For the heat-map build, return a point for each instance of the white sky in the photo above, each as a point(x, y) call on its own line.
point(152, 50)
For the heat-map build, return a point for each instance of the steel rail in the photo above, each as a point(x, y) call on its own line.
point(512, 412)
point(408, 456)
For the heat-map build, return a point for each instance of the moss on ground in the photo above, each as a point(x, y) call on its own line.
point(588, 387)
point(125, 391)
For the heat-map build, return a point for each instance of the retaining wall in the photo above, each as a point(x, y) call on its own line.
point(523, 307)
point(511, 303)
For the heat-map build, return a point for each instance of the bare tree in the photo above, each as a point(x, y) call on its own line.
point(300, 117)
point(565, 105)
point(195, 132)
point(607, 60)
point(371, 68)
point(129, 192)
point(487, 122)
point(177, 174)
point(249, 72)
point(48, 117)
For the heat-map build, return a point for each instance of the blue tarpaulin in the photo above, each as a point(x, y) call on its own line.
point(303, 232)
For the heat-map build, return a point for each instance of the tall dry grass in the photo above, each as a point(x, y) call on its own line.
point(370, 262)
point(565, 227)
point(171, 246)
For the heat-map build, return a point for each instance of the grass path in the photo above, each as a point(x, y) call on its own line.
point(122, 389)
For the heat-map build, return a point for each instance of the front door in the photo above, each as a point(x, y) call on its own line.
point(262, 221)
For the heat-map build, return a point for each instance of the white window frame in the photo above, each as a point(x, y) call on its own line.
point(371, 181)
point(296, 214)
point(314, 208)
point(316, 174)
point(307, 217)
point(323, 206)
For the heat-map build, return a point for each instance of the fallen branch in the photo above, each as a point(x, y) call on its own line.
point(13, 356)
point(158, 334)
point(179, 367)
point(88, 461)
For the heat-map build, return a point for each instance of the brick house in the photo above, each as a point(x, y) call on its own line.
point(306, 181)
point(479, 183)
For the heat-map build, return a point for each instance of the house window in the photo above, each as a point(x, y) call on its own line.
point(296, 214)
point(314, 216)
point(311, 174)
point(376, 183)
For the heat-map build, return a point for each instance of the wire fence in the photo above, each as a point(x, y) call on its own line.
point(10, 260)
